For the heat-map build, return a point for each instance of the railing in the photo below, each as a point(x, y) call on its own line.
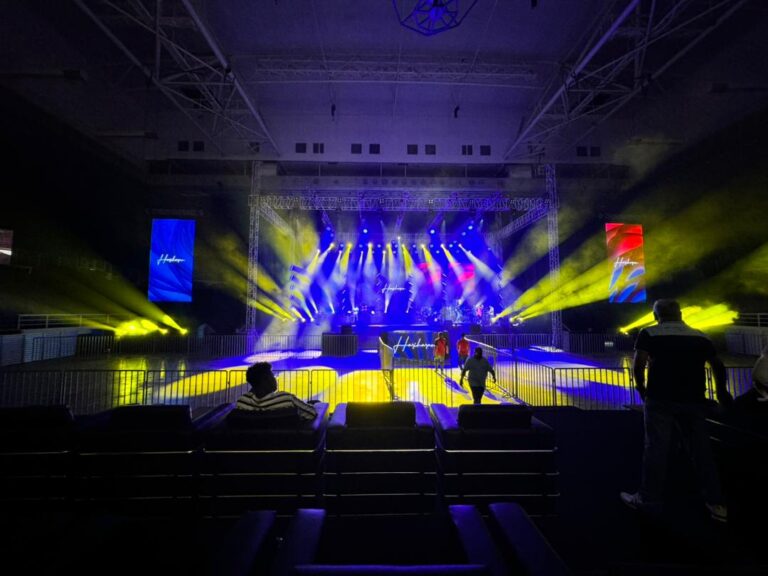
point(33, 321)
point(588, 343)
point(224, 346)
point(759, 319)
point(90, 391)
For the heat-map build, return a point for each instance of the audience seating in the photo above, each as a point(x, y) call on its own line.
point(142, 459)
point(496, 453)
point(262, 460)
point(525, 549)
point(36, 451)
point(742, 457)
point(511, 545)
point(375, 451)
point(130, 546)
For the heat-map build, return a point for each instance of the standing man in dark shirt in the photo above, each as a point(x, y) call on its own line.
point(478, 368)
point(675, 400)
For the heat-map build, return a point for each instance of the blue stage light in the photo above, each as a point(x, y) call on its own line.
point(431, 245)
point(470, 227)
point(463, 233)
point(365, 230)
point(432, 231)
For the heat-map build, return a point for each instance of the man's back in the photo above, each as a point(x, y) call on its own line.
point(677, 356)
point(478, 369)
point(276, 401)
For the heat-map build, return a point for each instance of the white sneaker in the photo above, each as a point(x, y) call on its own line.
point(718, 512)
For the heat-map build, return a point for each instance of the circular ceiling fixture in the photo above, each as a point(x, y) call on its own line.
point(430, 17)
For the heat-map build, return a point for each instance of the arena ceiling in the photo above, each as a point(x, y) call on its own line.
point(328, 81)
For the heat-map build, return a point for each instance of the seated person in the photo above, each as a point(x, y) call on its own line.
point(265, 396)
point(751, 408)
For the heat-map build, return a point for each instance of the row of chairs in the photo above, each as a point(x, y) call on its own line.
point(458, 541)
point(220, 462)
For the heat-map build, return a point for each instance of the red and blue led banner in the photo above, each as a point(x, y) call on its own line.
point(625, 250)
point(171, 260)
point(6, 246)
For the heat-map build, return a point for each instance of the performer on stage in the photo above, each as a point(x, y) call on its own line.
point(479, 312)
point(457, 313)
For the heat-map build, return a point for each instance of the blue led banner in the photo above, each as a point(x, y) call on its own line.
point(171, 260)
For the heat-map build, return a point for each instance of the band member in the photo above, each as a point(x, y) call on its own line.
point(457, 313)
point(479, 311)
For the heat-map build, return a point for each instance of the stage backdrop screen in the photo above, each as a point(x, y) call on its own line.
point(6, 246)
point(171, 260)
point(625, 250)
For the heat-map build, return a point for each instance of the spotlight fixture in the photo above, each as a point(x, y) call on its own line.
point(470, 227)
point(365, 230)
point(432, 231)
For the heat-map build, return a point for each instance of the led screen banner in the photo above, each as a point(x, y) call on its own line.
point(6, 246)
point(171, 260)
point(625, 250)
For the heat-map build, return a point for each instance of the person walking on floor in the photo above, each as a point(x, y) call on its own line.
point(441, 350)
point(462, 347)
point(478, 368)
point(674, 401)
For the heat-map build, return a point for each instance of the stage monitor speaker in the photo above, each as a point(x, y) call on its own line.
point(475, 329)
point(346, 329)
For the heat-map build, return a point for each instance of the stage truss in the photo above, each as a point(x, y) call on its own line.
point(359, 195)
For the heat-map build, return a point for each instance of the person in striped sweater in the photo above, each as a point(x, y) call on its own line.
point(264, 394)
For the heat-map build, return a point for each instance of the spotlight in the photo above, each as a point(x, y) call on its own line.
point(413, 245)
point(463, 233)
point(423, 246)
point(360, 246)
point(470, 227)
point(431, 245)
point(432, 231)
point(365, 230)
point(370, 244)
point(332, 244)
point(378, 245)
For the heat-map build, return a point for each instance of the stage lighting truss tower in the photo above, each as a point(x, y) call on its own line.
point(618, 58)
point(178, 54)
point(554, 251)
point(252, 291)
